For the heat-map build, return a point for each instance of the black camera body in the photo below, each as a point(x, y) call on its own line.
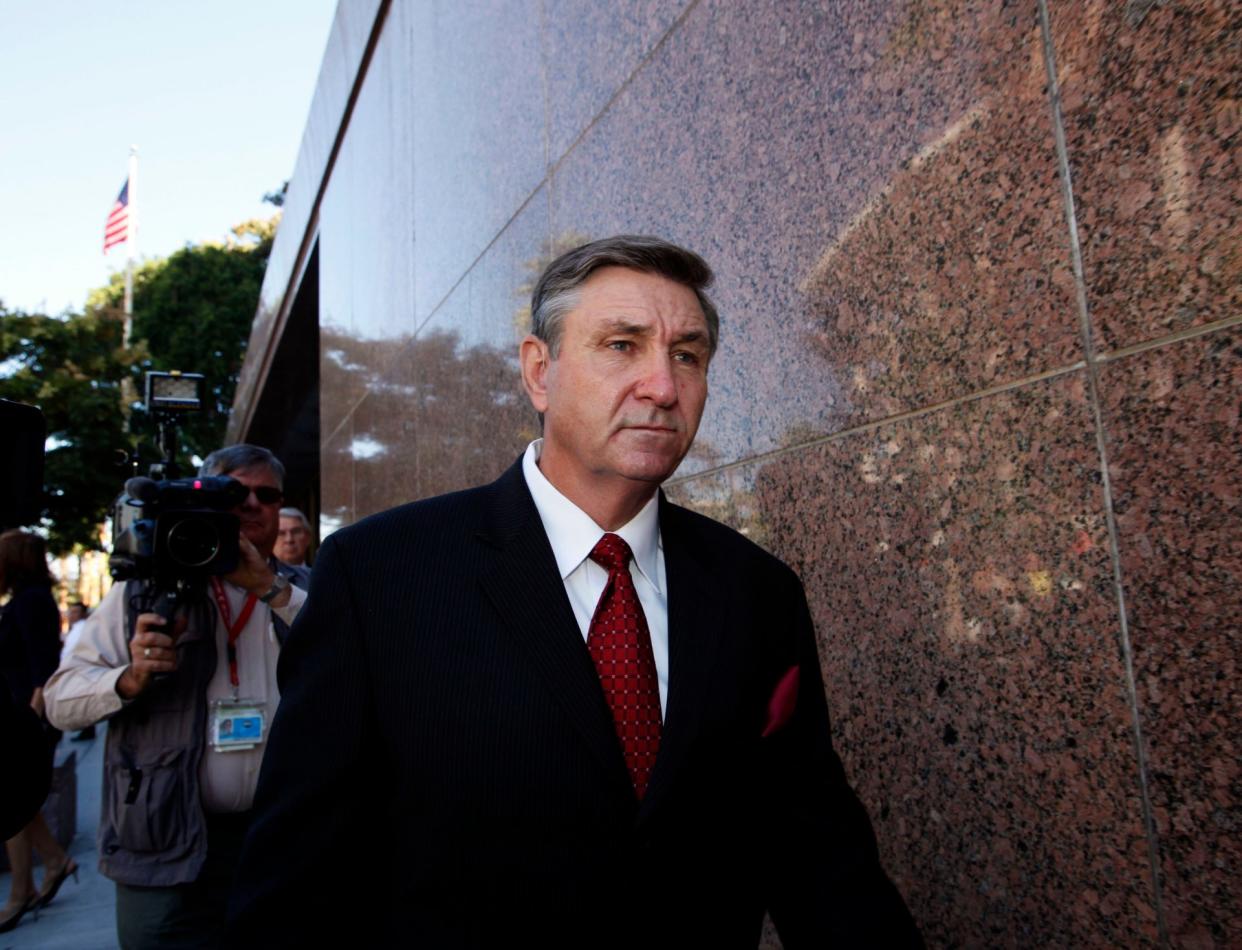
point(177, 530)
point(171, 534)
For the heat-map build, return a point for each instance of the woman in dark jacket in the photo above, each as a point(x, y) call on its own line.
point(29, 653)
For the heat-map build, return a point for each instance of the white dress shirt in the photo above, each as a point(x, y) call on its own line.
point(572, 534)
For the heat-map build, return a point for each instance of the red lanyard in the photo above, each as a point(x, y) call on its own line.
point(234, 629)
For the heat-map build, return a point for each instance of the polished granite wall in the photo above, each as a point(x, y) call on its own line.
point(992, 421)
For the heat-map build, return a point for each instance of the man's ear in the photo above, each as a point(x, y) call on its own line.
point(536, 359)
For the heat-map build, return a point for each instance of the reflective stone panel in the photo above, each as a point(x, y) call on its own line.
point(367, 236)
point(449, 418)
point(899, 407)
point(479, 153)
point(376, 159)
point(448, 411)
point(957, 566)
point(343, 371)
point(492, 305)
point(877, 189)
point(336, 477)
point(1176, 462)
point(590, 49)
point(1152, 97)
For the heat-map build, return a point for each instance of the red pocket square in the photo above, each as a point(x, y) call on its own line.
point(783, 702)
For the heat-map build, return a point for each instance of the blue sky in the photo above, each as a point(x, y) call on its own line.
point(215, 95)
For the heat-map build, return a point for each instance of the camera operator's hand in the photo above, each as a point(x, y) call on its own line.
point(151, 650)
point(254, 573)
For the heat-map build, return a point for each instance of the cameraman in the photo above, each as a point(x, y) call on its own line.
point(178, 783)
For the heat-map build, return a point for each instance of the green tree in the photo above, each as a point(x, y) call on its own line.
point(192, 312)
point(70, 366)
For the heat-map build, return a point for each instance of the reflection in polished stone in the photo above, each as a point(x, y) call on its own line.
point(876, 188)
point(593, 48)
point(1176, 463)
point(957, 567)
point(446, 417)
point(899, 406)
point(1152, 97)
point(475, 84)
point(336, 491)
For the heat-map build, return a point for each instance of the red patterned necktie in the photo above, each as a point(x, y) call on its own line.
point(620, 646)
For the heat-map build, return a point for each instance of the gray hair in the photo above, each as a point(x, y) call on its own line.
point(557, 290)
point(231, 458)
point(296, 513)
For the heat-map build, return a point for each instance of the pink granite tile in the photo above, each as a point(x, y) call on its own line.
point(1176, 464)
point(1152, 97)
point(475, 81)
point(589, 50)
point(877, 189)
point(958, 571)
point(492, 305)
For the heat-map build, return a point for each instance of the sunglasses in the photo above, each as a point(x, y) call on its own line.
point(267, 495)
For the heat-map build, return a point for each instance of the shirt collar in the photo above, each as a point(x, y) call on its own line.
point(572, 532)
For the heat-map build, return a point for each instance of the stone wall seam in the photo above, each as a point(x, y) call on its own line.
point(886, 421)
point(347, 418)
point(1110, 518)
point(1190, 333)
point(543, 83)
point(550, 167)
point(554, 166)
point(478, 257)
point(625, 84)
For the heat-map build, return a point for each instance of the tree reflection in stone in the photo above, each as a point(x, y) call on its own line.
point(439, 415)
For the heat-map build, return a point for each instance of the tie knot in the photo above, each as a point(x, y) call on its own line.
point(611, 552)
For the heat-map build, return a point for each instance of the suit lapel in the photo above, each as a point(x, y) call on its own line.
point(696, 621)
point(523, 584)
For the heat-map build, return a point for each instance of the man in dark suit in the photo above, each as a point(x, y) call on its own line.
point(572, 713)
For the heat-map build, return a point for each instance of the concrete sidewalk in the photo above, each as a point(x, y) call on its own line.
point(83, 915)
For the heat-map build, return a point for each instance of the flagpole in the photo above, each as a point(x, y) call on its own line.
point(131, 238)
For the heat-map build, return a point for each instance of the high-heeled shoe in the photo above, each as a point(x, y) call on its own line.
point(8, 923)
point(52, 885)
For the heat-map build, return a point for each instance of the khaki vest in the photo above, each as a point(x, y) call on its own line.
point(152, 829)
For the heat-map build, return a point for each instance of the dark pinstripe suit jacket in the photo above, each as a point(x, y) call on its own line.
point(443, 771)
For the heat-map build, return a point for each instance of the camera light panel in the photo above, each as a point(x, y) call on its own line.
point(174, 392)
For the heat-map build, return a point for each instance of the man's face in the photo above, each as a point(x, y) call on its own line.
point(623, 398)
point(260, 520)
point(292, 540)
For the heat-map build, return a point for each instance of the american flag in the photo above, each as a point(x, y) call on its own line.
point(116, 231)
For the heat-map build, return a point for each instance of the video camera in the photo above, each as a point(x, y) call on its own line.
point(174, 532)
point(185, 530)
